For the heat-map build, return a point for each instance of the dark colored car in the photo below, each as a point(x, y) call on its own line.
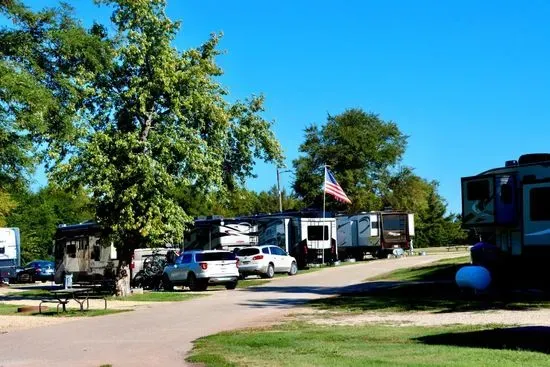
point(36, 270)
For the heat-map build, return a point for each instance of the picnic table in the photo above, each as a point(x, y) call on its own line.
point(63, 296)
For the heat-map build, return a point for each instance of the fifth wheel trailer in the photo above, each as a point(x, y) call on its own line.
point(509, 207)
point(377, 233)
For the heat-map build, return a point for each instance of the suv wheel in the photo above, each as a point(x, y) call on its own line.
point(196, 285)
point(166, 284)
point(231, 285)
point(270, 271)
point(293, 268)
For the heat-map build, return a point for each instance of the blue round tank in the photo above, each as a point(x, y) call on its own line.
point(474, 277)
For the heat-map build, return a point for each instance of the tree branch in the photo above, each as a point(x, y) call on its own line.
point(146, 127)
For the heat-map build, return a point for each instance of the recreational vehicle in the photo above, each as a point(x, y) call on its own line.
point(379, 234)
point(308, 239)
point(79, 250)
point(509, 207)
point(216, 232)
point(10, 253)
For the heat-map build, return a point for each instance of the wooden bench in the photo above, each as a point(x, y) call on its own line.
point(96, 296)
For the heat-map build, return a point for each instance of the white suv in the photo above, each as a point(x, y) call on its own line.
point(198, 269)
point(265, 261)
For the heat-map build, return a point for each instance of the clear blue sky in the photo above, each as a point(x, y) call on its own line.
point(468, 81)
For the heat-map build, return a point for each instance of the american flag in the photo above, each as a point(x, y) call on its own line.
point(333, 188)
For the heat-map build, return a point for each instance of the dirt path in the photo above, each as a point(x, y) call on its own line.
point(420, 318)
point(163, 334)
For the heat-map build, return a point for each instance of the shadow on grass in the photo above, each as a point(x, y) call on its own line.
point(534, 339)
point(34, 294)
point(78, 313)
point(436, 297)
point(443, 270)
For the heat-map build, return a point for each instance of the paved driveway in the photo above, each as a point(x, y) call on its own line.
point(163, 334)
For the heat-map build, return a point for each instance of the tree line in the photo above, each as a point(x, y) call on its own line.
point(141, 137)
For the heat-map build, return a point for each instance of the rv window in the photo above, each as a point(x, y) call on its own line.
point(374, 224)
point(540, 201)
point(2, 250)
point(71, 250)
point(317, 233)
point(394, 222)
point(478, 190)
point(506, 194)
point(96, 253)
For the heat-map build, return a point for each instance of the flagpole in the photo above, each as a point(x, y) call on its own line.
point(324, 188)
point(324, 198)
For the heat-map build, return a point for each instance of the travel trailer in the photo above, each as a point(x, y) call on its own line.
point(509, 206)
point(309, 239)
point(216, 232)
point(79, 250)
point(10, 253)
point(380, 234)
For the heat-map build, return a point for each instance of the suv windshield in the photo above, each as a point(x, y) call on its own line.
point(248, 252)
point(215, 256)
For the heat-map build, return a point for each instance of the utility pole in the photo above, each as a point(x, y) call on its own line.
point(279, 188)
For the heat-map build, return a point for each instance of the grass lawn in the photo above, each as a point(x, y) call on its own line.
point(11, 310)
point(254, 282)
point(30, 294)
point(302, 344)
point(148, 296)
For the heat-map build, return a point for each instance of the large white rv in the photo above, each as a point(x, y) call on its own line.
point(509, 206)
point(377, 233)
point(309, 240)
point(10, 253)
point(216, 232)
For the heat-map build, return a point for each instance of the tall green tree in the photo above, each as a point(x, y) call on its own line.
point(7, 204)
point(404, 190)
point(47, 59)
point(157, 119)
point(38, 215)
point(434, 226)
point(44, 58)
point(268, 201)
point(359, 147)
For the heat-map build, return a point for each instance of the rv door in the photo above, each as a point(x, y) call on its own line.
point(536, 216)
